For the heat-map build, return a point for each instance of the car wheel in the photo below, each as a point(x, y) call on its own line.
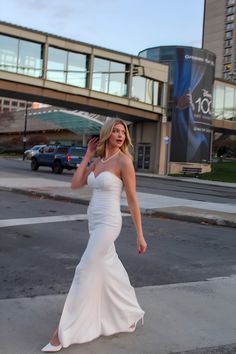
point(34, 165)
point(57, 167)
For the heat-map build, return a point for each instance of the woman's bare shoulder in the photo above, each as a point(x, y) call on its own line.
point(125, 160)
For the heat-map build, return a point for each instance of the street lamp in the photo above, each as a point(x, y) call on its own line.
point(167, 142)
point(25, 129)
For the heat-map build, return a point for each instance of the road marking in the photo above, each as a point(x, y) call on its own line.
point(44, 220)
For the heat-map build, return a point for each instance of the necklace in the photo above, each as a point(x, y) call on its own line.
point(109, 158)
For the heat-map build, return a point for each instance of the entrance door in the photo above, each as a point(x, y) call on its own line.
point(144, 155)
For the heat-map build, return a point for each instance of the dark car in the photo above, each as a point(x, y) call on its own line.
point(58, 157)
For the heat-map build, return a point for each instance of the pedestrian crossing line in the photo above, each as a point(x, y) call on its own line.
point(44, 220)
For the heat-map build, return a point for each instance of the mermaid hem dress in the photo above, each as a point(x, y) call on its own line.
point(101, 300)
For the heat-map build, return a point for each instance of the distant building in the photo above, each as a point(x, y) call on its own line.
point(219, 36)
point(9, 104)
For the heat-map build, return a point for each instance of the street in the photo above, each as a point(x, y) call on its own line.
point(39, 259)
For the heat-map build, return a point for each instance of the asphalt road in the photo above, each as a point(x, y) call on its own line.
point(39, 259)
point(162, 186)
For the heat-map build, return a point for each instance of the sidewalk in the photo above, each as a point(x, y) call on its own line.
point(150, 204)
point(195, 317)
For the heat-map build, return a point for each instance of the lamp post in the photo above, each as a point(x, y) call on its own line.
point(25, 129)
point(166, 142)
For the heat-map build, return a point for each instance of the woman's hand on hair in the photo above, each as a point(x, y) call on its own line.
point(92, 147)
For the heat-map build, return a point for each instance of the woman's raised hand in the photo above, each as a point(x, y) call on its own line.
point(92, 146)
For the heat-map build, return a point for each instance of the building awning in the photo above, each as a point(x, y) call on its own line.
point(76, 121)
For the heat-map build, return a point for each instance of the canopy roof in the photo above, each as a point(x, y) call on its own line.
point(76, 121)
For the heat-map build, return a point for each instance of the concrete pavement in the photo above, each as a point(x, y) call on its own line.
point(193, 318)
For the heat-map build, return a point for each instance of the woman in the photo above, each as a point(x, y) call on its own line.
point(101, 300)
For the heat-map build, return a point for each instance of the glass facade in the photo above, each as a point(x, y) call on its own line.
point(146, 90)
point(224, 102)
point(63, 66)
point(20, 56)
point(67, 67)
point(109, 77)
point(30, 59)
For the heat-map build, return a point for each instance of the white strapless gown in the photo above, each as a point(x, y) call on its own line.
point(101, 300)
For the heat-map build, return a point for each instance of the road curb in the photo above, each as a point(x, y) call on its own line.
point(195, 180)
point(194, 218)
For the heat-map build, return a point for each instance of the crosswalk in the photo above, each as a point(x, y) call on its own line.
point(44, 220)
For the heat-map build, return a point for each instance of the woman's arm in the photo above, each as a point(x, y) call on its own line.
point(80, 176)
point(129, 179)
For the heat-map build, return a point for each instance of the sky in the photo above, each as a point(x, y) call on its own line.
point(124, 25)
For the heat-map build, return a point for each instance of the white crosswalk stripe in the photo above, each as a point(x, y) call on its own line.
point(44, 220)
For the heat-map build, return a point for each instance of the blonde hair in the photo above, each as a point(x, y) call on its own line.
point(105, 134)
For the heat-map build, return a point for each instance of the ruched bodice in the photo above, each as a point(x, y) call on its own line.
point(101, 300)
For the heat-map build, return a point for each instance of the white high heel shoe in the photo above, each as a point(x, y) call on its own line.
point(49, 348)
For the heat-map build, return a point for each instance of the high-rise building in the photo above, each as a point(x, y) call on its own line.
point(219, 36)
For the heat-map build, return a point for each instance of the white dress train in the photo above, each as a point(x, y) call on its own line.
point(101, 300)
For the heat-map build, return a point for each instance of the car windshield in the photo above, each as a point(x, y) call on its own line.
point(36, 147)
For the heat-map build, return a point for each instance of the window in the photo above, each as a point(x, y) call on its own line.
point(20, 56)
point(109, 77)
point(229, 18)
point(62, 150)
point(228, 43)
point(230, 2)
point(8, 53)
point(228, 51)
point(57, 62)
point(230, 10)
point(30, 59)
point(67, 67)
point(229, 103)
point(229, 35)
point(146, 90)
point(77, 69)
point(14, 103)
point(22, 104)
point(227, 59)
point(7, 102)
point(229, 26)
point(218, 102)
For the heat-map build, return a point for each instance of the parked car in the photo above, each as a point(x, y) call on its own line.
point(58, 157)
point(28, 154)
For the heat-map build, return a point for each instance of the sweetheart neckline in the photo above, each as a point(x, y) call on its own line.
point(106, 172)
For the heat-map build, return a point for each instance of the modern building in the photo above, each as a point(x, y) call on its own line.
point(37, 66)
point(166, 98)
point(219, 36)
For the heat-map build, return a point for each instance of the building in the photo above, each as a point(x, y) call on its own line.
point(190, 96)
point(219, 36)
point(37, 66)
point(9, 104)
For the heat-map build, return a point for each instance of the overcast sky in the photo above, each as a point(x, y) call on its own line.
point(124, 25)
